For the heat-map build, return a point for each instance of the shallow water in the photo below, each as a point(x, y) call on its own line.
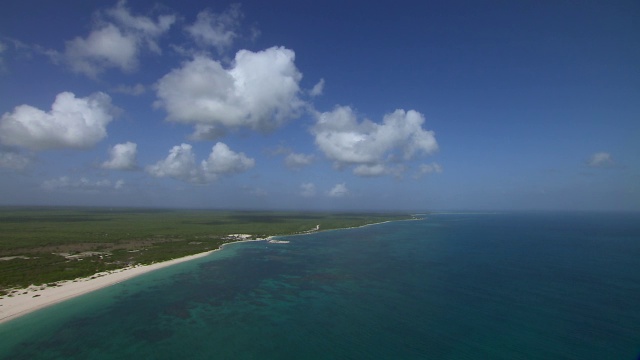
point(452, 286)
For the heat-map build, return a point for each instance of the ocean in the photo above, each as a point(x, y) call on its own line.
point(449, 286)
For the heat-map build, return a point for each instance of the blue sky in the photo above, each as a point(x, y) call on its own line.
point(333, 105)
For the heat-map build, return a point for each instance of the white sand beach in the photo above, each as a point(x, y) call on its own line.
point(23, 301)
point(34, 298)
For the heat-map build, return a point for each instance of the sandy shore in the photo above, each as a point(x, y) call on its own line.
point(24, 301)
point(34, 298)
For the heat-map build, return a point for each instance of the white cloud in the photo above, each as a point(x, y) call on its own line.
point(122, 157)
point(207, 132)
point(83, 184)
point(135, 90)
point(295, 160)
point(216, 30)
point(223, 160)
point(368, 145)
point(340, 190)
point(259, 91)
point(317, 89)
point(370, 170)
point(308, 190)
point(3, 47)
point(103, 48)
point(433, 168)
point(280, 150)
point(115, 43)
point(181, 164)
point(600, 159)
point(13, 160)
point(71, 123)
point(143, 27)
point(258, 192)
point(291, 159)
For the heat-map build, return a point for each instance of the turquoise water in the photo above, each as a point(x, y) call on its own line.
point(452, 286)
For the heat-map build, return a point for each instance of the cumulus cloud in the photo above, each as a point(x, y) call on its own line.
point(308, 190)
point(181, 164)
point(317, 89)
point(216, 30)
point(223, 160)
point(144, 27)
point(122, 157)
point(370, 170)
point(600, 159)
point(280, 150)
point(292, 159)
point(13, 160)
point(371, 146)
point(296, 161)
point(135, 90)
point(207, 132)
point(433, 168)
point(257, 192)
point(83, 184)
point(340, 190)
point(71, 123)
point(259, 91)
point(103, 48)
point(115, 41)
point(3, 47)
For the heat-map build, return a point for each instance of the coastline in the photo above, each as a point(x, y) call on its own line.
point(354, 227)
point(34, 298)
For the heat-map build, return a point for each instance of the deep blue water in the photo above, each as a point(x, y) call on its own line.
point(452, 286)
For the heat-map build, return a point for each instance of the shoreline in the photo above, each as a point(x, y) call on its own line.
point(33, 298)
point(347, 228)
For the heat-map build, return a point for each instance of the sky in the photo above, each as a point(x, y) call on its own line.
point(321, 105)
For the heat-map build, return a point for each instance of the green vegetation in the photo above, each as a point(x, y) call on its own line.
point(45, 245)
